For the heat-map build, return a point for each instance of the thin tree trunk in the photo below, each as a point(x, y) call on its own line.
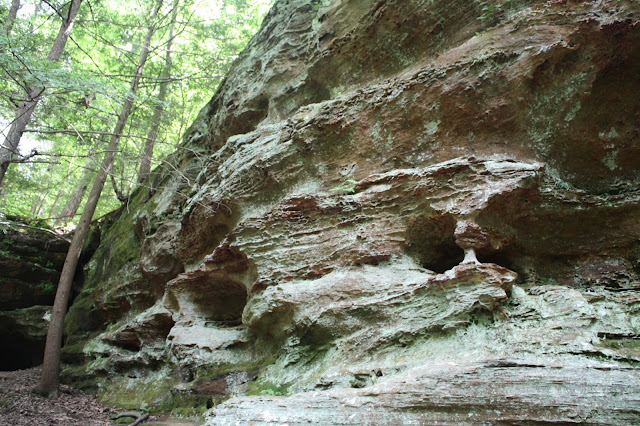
point(61, 191)
point(10, 146)
point(36, 205)
point(50, 381)
point(147, 153)
point(73, 203)
point(11, 17)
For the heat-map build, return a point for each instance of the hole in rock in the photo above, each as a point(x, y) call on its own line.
point(223, 300)
point(501, 258)
point(432, 242)
point(200, 231)
point(132, 343)
point(19, 352)
point(250, 117)
point(481, 316)
point(444, 257)
point(315, 92)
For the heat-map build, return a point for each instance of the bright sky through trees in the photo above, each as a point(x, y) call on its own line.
point(86, 87)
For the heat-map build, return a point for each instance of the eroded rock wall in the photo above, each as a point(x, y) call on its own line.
point(390, 206)
point(31, 260)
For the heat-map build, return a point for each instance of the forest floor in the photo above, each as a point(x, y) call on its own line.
point(20, 407)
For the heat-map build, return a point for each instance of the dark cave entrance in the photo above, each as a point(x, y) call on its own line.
point(444, 257)
point(212, 297)
point(224, 302)
point(432, 242)
point(23, 333)
point(20, 352)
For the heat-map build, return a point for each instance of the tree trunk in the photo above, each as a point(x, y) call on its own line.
point(11, 17)
point(50, 381)
point(37, 207)
point(147, 153)
point(61, 191)
point(10, 146)
point(73, 203)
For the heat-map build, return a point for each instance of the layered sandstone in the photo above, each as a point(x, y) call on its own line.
point(391, 212)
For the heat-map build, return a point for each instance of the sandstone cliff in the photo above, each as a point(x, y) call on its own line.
point(31, 259)
point(390, 212)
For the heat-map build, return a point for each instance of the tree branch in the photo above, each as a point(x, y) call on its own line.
point(82, 132)
point(119, 195)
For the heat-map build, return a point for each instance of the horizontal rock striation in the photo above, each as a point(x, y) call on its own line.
point(391, 212)
point(31, 259)
point(496, 392)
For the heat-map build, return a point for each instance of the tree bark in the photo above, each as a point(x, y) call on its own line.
point(147, 153)
point(73, 203)
point(61, 191)
point(11, 17)
point(37, 207)
point(9, 147)
point(50, 381)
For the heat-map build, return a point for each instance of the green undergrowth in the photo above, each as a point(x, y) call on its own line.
point(215, 370)
point(155, 394)
point(150, 394)
point(159, 392)
point(265, 387)
point(77, 377)
point(624, 343)
point(627, 348)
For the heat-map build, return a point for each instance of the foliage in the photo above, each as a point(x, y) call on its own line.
point(145, 394)
point(83, 92)
point(265, 387)
point(491, 11)
point(46, 286)
point(6, 246)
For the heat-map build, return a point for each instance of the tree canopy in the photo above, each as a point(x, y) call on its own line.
point(81, 95)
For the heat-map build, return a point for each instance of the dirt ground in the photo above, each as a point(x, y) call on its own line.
point(19, 406)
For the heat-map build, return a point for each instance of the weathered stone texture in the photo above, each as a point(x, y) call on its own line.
point(31, 259)
point(474, 393)
point(30, 265)
point(23, 333)
point(394, 212)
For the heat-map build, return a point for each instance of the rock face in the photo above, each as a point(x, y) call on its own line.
point(23, 333)
point(30, 263)
point(390, 212)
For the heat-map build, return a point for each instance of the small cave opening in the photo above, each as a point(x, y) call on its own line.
point(314, 92)
point(217, 292)
point(248, 119)
point(432, 243)
point(511, 259)
point(224, 301)
point(443, 257)
point(199, 233)
point(133, 345)
point(500, 258)
point(23, 333)
point(20, 352)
